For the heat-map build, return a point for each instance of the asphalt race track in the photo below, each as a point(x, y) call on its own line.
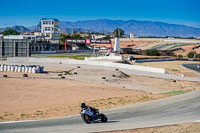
point(177, 109)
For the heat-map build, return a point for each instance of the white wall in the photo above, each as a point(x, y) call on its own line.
point(97, 63)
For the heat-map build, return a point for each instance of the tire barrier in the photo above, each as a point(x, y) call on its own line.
point(5, 76)
point(25, 75)
point(22, 68)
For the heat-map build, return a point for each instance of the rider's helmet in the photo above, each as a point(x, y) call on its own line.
point(83, 105)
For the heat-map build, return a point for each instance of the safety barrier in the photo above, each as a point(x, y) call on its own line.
point(95, 63)
point(22, 68)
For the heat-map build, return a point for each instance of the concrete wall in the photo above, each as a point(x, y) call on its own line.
point(104, 58)
point(95, 63)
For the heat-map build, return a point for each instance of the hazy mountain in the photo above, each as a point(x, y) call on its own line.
point(33, 29)
point(20, 28)
point(17, 28)
point(139, 28)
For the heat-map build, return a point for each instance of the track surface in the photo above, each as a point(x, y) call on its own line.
point(177, 109)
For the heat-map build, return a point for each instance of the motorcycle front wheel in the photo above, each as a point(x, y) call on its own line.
point(103, 118)
point(87, 119)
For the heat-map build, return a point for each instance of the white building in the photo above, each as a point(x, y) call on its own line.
point(95, 36)
point(50, 29)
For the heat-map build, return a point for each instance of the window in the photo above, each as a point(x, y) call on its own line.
point(47, 28)
point(48, 22)
point(48, 34)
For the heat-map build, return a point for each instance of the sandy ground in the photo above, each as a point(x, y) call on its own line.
point(186, 49)
point(144, 45)
point(129, 44)
point(46, 95)
point(172, 67)
point(32, 98)
point(178, 128)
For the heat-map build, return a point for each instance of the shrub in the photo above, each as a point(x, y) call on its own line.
point(180, 56)
point(191, 54)
point(152, 52)
point(198, 56)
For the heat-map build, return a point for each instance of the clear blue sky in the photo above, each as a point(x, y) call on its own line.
point(29, 12)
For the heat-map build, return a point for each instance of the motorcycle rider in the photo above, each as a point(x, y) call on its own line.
point(84, 107)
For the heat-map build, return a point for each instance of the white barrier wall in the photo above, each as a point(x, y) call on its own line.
point(85, 62)
point(104, 58)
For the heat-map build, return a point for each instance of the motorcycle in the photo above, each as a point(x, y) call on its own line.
point(90, 116)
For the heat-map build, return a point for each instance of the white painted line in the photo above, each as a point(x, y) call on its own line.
point(17, 121)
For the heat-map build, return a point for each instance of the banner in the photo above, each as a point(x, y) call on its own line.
point(99, 41)
point(88, 41)
point(76, 41)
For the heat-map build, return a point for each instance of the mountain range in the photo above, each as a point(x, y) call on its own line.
point(139, 28)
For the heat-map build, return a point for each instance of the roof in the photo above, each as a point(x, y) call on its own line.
point(54, 19)
point(17, 36)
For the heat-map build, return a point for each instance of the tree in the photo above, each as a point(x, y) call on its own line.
point(63, 37)
point(106, 37)
point(87, 37)
point(76, 36)
point(118, 32)
point(191, 54)
point(10, 32)
point(198, 56)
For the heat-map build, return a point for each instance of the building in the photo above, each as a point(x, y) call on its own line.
point(15, 46)
point(131, 35)
point(50, 29)
point(95, 36)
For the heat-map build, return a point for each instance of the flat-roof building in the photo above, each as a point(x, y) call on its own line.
point(50, 29)
point(15, 46)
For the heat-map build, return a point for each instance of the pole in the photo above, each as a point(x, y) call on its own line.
point(94, 52)
point(110, 46)
point(65, 45)
point(28, 50)
point(14, 51)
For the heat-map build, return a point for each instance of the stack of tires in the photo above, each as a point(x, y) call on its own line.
point(22, 68)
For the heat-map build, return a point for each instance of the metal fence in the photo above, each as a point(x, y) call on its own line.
point(14, 48)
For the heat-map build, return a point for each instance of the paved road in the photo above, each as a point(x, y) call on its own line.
point(178, 109)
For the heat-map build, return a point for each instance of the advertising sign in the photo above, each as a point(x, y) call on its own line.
point(76, 41)
point(88, 41)
point(99, 41)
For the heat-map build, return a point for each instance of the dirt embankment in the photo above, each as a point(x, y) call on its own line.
point(178, 128)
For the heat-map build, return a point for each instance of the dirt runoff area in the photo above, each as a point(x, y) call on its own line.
point(47, 95)
point(32, 98)
point(178, 128)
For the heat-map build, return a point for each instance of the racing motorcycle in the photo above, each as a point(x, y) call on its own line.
point(91, 115)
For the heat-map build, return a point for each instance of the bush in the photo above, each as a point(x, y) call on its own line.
point(180, 56)
point(152, 52)
point(198, 56)
point(191, 54)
